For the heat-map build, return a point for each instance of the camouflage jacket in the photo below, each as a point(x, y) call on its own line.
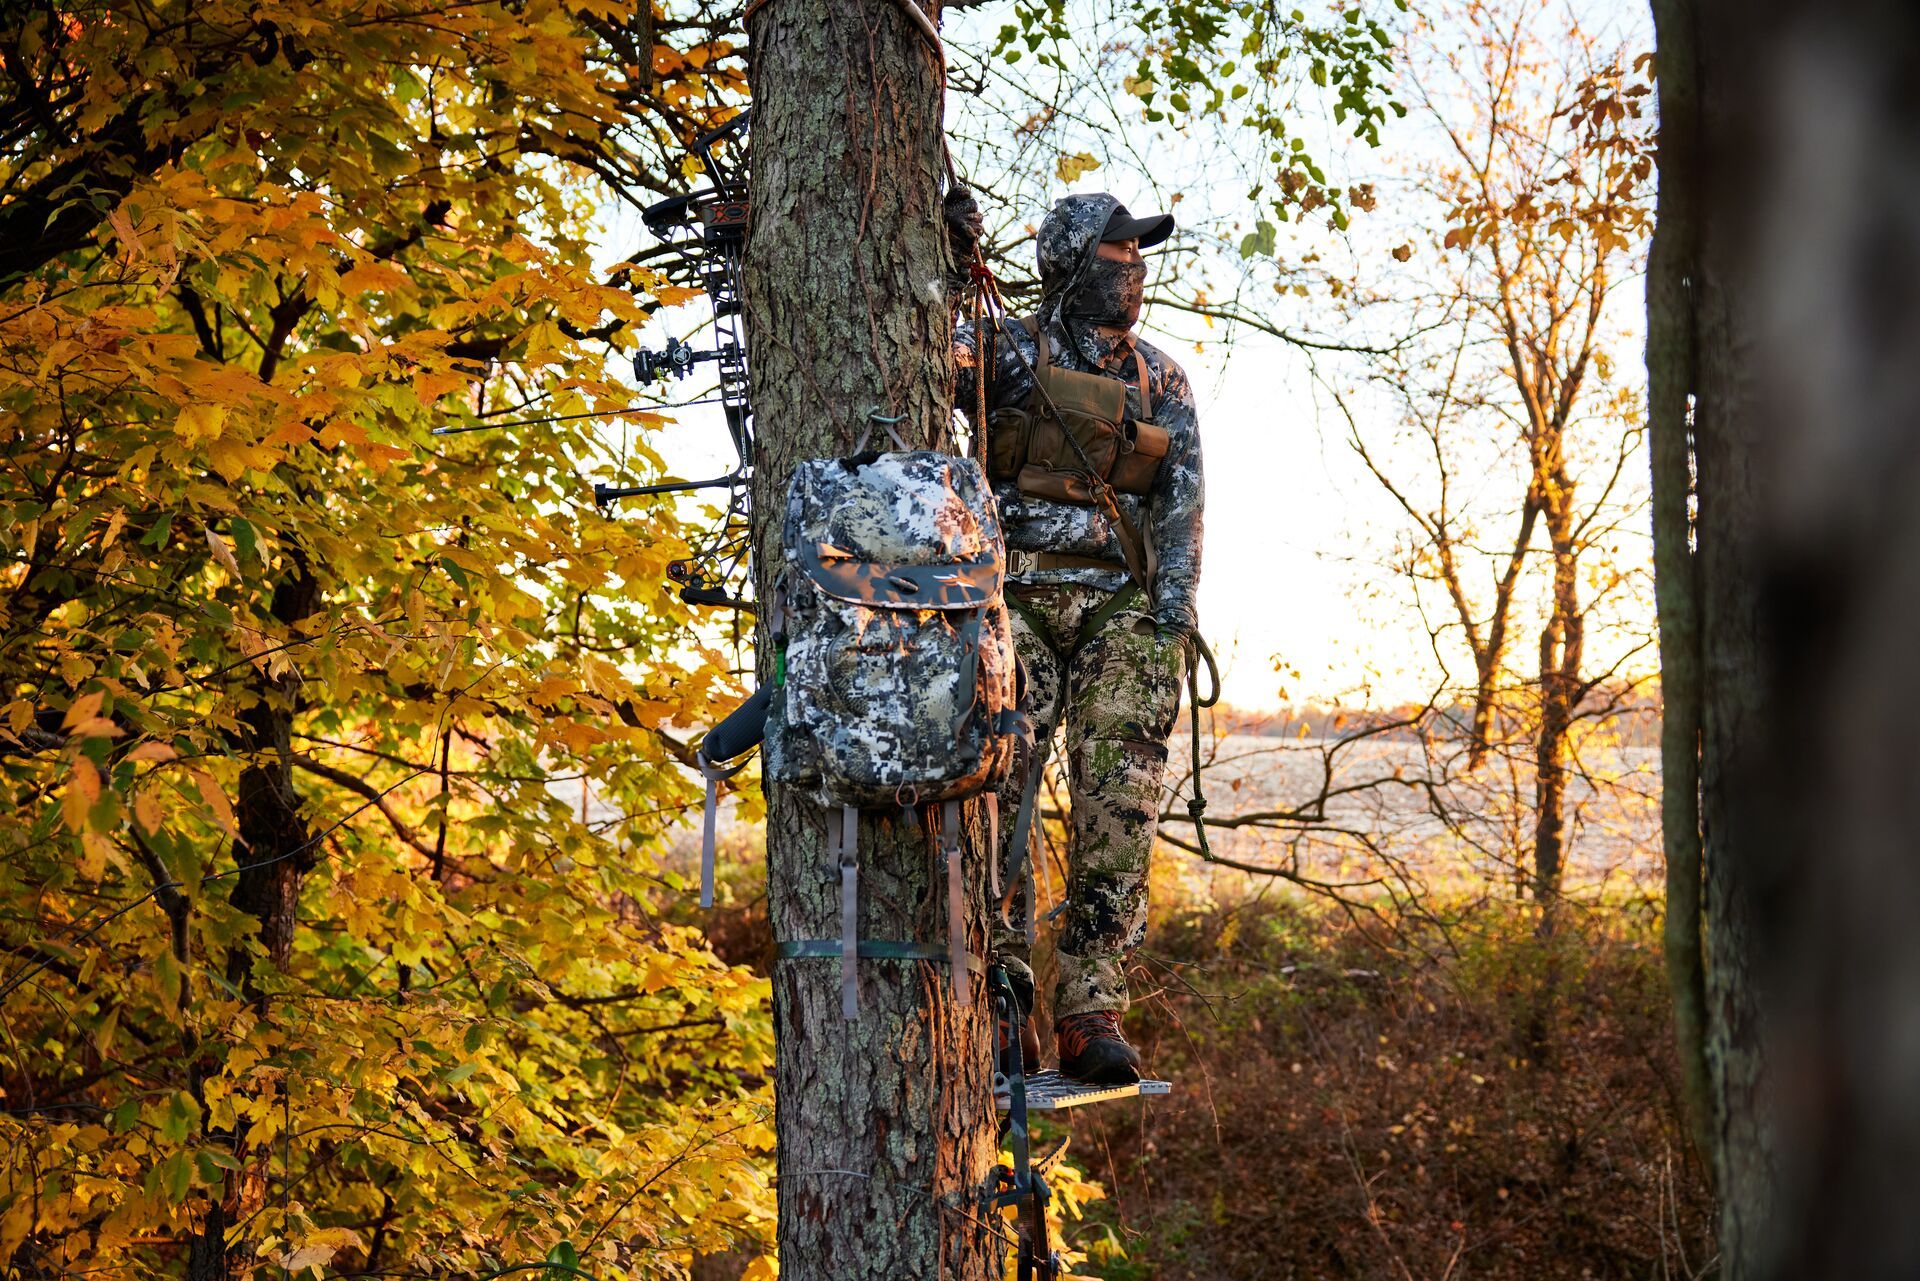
point(1171, 515)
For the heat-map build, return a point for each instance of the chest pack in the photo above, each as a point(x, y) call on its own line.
point(1029, 445)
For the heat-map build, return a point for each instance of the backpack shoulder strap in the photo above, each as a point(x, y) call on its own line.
point(1032, 325)
point(1140, 369)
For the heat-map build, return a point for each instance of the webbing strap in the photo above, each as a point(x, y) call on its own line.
point(871, 950)
point(992, 802)
point(1100, 617)
point(1019, 864)
point(969, 671)
point(843, 827)
point(714, 776)
point(956, 902)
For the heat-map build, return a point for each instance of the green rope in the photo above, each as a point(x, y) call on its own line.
point(1197, 652)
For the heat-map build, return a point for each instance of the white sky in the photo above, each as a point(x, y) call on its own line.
point(1291, 520)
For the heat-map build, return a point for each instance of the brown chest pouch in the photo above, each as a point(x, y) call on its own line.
point(1143, 449)
point(1030, 446)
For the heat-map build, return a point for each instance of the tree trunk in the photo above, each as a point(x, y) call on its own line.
point(1805, 296)
point(274, 851)
point(1671, 263)
point(1562, 646)
point(1723, 594)
point(886, 1125)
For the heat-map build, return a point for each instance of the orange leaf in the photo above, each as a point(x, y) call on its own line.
point(216, 801)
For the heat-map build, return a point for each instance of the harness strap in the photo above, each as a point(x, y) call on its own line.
point(1019, 860)
point(714, 775)
point(956, 902)
point(1066, 560)
point(992, 802)
point(1036, 625)
point(843, 826)
point(1101, 617)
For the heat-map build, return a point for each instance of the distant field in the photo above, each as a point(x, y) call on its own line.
point(1378, 788)
point(1612, 811)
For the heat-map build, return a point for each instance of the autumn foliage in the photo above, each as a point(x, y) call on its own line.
point(303, 959)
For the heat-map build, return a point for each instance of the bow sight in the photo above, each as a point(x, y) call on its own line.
point(705, 232)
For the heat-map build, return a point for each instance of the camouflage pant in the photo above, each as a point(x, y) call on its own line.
point(1118, 693)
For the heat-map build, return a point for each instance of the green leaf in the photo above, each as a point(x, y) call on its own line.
point(245, 537)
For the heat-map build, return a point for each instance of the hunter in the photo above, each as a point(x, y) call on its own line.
point(1102, 609)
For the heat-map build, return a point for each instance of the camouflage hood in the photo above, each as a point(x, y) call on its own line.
point(1065, 246)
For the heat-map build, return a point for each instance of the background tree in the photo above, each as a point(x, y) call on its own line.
point(1511, 461)
point(304, 962)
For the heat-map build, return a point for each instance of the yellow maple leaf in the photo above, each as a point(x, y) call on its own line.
point(1070, 168)
point(81, 791)
point(200, 421)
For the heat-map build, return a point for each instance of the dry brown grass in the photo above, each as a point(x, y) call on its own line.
point(1503, 1109)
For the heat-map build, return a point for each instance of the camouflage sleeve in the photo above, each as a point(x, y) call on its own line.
point(1007, 383)
point(1176, 503)
point(966, 368)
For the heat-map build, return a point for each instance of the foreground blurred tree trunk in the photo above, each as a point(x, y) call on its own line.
point(885, 1125)
point(1785, 301)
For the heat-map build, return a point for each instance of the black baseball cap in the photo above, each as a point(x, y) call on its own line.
point(1149, 231)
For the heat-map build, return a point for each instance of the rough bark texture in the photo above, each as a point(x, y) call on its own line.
point(1805, 298)
point(885, 1126)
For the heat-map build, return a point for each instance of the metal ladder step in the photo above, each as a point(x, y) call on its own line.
point(1050, 1092)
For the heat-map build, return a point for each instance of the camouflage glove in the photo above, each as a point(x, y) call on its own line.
point(964, 224)
point(1178, 622)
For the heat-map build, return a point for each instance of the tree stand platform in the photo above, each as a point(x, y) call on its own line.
point(1050, 1092)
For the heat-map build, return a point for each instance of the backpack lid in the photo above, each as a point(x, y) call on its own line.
point(962, 585)
point(910, 530)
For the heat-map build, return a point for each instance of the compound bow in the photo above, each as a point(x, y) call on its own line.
point(705, 231)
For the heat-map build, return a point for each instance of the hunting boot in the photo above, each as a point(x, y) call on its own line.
point(1029, 1038)
point(1093, 1051)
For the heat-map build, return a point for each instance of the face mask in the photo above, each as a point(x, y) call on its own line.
point(1110, 294)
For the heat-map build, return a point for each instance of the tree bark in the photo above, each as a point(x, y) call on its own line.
point(885, 1126)
point(1562, 650)
point(1723, 591)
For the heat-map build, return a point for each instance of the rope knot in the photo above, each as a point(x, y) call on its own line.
point(1196, 807)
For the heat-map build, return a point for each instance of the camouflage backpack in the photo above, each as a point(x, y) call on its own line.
point(897, 686)
point(896, 681)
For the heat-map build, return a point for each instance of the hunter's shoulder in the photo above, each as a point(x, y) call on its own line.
point(1169, 376)
point(998, 330)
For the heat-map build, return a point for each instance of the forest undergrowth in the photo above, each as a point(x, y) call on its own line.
point(1467, 1101)
point(1487, 1105)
